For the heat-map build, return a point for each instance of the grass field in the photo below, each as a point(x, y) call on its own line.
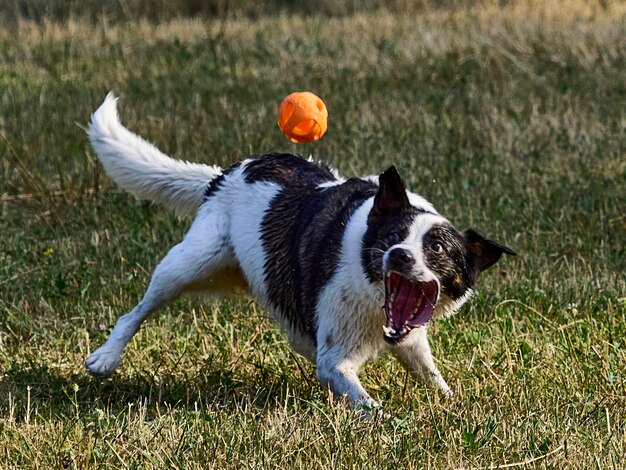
point(511, 119)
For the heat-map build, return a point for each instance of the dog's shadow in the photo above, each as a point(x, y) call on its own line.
point(47, 390)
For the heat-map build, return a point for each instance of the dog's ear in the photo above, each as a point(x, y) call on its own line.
point(483, 253)
point(391, 195)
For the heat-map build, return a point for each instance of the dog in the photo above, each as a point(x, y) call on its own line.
point(350, 268)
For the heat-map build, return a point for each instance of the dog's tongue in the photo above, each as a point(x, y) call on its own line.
point(409, 303)
point(406, 299)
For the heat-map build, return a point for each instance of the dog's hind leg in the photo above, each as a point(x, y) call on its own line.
point(189, 265)
point(417, 357)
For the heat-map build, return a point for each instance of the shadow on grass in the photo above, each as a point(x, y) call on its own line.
point(46, 391)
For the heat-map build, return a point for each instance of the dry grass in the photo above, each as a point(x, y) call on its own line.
point(510, 119)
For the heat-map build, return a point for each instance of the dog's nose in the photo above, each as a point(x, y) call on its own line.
point(400, 258)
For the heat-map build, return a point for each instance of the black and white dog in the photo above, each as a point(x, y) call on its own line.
point(350, 268)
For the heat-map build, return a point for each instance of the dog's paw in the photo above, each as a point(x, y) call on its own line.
point(370, 410)
point(102, 362)
point(449, 399)
point(374, 415)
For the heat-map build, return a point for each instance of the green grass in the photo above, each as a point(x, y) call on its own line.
point(510, 119)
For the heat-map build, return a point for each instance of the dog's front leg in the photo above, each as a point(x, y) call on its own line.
point(340, 375)
point(416, 356)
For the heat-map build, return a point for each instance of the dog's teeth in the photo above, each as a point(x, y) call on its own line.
point(388, 331)
point(417, 307)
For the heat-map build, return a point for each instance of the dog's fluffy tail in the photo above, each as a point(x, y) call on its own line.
point(143, 170)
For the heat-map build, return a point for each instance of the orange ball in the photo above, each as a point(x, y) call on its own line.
point(303, 117)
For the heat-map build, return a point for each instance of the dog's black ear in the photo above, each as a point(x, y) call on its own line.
point(483, 253)
point(391, 195)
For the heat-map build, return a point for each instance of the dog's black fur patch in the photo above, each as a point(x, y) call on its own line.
point(285, 168)
point(450, 265)
point(302, 232)
point(464, 257)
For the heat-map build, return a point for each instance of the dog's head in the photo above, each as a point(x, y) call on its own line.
point(427, 267)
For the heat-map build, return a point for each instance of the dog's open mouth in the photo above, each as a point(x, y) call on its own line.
point(408, 304)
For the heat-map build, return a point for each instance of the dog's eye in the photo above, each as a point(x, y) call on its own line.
point(394, 239)
point(437, 247)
